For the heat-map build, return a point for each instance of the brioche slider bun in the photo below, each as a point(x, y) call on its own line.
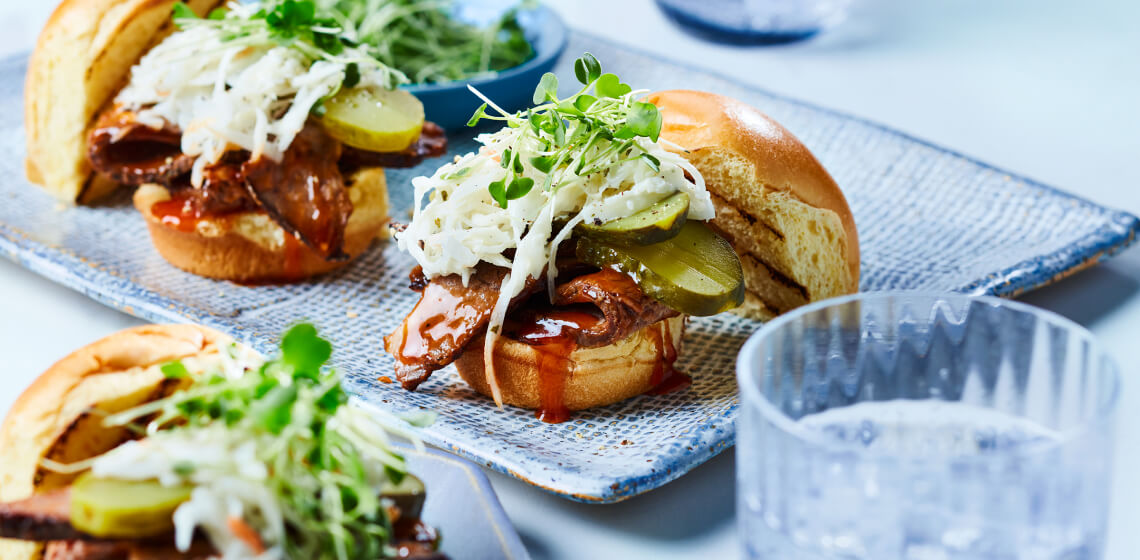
point(60, 416)
point(82, 59)
point(595, 377)
point(778, 207)
point(249, 247)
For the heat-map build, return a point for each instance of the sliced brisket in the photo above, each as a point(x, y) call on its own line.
point(132, 153)
point(126, 550)
point(448, 316)
point(42, 517)
point(431, 143)
point(305, 193)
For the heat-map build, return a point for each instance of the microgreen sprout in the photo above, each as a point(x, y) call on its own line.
point(589, 132)
point(297, 24)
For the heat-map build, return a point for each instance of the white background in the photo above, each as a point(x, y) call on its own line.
point(1045, 88)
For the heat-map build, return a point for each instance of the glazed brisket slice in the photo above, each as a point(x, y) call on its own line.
point(305, 192)
point(126, 550)
point(448, 316)
point(46, 518)
point(42, 517)
point(132, 153)
point(431, 143)
point(223, 189)
point(625, 309)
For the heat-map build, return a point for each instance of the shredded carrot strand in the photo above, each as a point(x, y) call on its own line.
point(245, 534)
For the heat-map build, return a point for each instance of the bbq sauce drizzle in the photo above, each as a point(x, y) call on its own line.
point(553, 335)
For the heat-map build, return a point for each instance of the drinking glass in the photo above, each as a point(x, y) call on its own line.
point(924, 427)
point(755, 21)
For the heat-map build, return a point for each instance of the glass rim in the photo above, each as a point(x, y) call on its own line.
point(751, 394)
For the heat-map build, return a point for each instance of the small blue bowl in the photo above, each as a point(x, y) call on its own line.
point(451, 104)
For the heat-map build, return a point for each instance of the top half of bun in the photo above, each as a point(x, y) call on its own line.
point(789, 213)
point(82, 59)
point(60, 415)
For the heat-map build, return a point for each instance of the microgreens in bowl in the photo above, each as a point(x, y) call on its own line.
point(594, 129)
point(425, 41)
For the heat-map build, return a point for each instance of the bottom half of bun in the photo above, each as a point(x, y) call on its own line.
point(590, 376)
point(250, 247)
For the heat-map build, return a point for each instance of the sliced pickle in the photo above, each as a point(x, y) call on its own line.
point(111, 508)
point(659, 222)
point(409, 496)
point(374, 119)
point(696, 272)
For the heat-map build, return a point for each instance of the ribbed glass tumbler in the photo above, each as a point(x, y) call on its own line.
point(924, 427)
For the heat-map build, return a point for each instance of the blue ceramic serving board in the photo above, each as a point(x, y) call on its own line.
point(928, 219)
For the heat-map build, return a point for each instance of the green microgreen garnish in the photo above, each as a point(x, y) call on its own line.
point(579, 135)
point(317, 33)
point(424, 40)
point(324, 458)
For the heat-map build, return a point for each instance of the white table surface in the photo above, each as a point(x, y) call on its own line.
point(1046, 88)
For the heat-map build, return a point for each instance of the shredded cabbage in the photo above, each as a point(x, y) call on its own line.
point(226, 92)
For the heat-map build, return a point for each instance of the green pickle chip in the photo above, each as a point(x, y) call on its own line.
point(112, 508)
point(374, 119)
point(697, 272)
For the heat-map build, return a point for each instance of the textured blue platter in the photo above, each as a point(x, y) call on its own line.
point(463, 506)
point(928, 219)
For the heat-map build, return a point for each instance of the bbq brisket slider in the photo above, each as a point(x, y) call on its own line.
point(256, 137)
point(558, 264)
point(172, 442)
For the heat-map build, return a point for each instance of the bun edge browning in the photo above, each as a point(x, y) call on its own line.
point(597, 377)
point(249, 247)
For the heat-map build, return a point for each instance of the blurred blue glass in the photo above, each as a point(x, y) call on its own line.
point(910, 426)
point(755, 21)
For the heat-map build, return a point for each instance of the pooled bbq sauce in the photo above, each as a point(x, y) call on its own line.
point(556, 325)
point(177, 213)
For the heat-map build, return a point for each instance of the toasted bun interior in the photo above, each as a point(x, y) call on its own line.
point(780, 209)
point(251, 247)
point(60, 416)
point(596, 376)
point(82, 58)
